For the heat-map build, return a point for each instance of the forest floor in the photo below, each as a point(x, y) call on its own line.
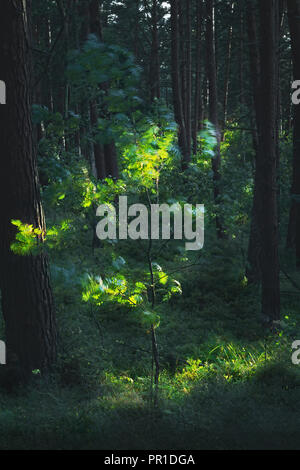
point(225, 382)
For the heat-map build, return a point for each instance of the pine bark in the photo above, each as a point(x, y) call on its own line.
point(267, 161)
point(188, 97)
point(176, 83)
point(27, 302)
point(241, 56)
point(294, 222)
point(154, 61)
point(106, 155)
point(253, 269)
point(95, 27)
point(213, 109)
point(227, 70)
point(198, 110)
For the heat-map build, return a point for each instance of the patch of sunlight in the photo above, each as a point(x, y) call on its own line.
point(248, 189)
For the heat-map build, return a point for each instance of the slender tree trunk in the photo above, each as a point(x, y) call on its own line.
point(241, 56)
point(186, 72)
point(27, 302)
point(154, 61)
point(188, 123)
point(83, 13)
point(253, 270)
point(85, 110)
point(205, 95)
point(213, 108)
point(176, 85)
point(47, 87)
point(64, 90)
point(294, 223)
point(198, 113)
point(137, 30)
point(182, 54)
point(95, 27)
point(227, 70)
point(95, 20)
point(106, 155)
point(99, 155)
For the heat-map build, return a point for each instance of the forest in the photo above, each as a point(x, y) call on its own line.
point(121, 333)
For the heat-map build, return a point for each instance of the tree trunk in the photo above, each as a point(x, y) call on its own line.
point(95, 27)
point(213, 108)
point(106, 155)
point(176, 85)
point(99, 155)
point(188, 97)
point(27, 302)
point(95, 20)
point(182, 54)
point(267, 161)
point(184, 16)
point(83, 14)
point(294, 223)
point(227, 71)
point(241, 56)
point(198, 113)
point(154, 61)
point(253, 270)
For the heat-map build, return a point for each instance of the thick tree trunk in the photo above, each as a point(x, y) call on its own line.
point(267, 161)
point(37, 92)
point(294, 223)
point(26, 293)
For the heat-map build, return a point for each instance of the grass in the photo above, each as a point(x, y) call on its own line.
point(225, 382)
